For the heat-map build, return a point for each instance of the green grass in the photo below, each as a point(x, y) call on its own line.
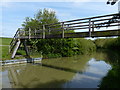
point(110, 43)
point(5, 41)
point(4, 50)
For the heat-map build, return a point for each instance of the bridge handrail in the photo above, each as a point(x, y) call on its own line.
point(89, 20)
point(84, 19)
point(14, 36)
point(14, 39)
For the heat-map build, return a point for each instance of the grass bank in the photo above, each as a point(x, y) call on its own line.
point(109, 43)
point(4, 50)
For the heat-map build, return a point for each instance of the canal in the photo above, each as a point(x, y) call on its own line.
point(83, 71)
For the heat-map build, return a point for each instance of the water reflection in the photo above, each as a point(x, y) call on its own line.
point(83, 71)
point(91, 77)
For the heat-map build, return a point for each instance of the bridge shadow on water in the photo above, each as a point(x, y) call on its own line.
point(58, 68)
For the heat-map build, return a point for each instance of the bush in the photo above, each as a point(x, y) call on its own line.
point(64, 47)
point(85, 46)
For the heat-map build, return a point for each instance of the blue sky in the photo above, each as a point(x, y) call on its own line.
point(14, 13)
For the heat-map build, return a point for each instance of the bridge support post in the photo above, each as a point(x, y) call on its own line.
point(29, 33)
point(43, 31)
point(89, 27)
point(17, 44)
point(25, 47)
point(49, 30)
point(63, 33)
point(93, 29)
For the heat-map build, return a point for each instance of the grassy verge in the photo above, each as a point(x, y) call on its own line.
point(5, 41)
point(110, 43)
point(4, 51)
point(4, 48)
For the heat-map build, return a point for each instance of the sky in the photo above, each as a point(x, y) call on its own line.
point(13, 12)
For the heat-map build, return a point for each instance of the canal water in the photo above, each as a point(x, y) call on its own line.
point(82, 71)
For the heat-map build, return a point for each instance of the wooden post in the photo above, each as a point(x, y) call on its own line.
point(29, 33)
point(43, 31)
point(35, 31)
point(92, 26)
point(25, 47)
point(68, 27)
point(93, 29)
point(49, 30)
point(63, 33)
point(89, 27)
point(17, 44)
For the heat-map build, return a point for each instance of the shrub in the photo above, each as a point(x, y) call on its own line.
point(64, 47)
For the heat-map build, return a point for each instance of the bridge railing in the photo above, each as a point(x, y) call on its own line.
point(87, 24)
point(79, 25)
point(14, 40)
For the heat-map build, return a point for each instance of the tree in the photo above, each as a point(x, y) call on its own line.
point(47, 16)
point(31, 23)
point(43, 17)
